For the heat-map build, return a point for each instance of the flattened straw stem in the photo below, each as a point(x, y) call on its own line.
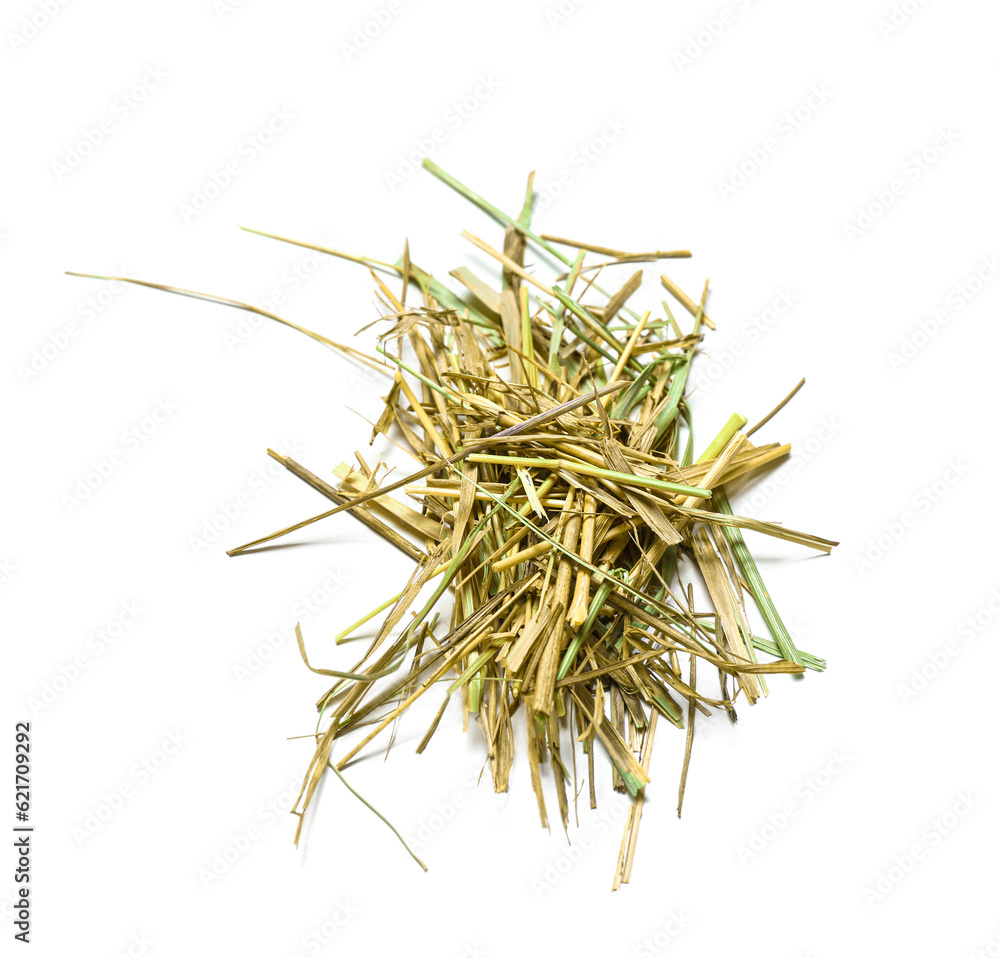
point(685, 300)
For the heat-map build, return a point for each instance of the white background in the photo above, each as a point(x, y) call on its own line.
point(675, 96)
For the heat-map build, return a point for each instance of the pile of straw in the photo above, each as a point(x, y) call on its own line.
point(556, 503)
